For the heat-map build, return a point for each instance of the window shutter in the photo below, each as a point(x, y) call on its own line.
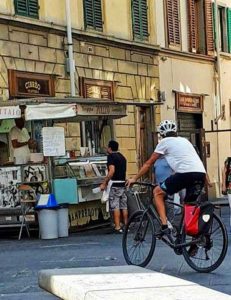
point(93, 14)
point(229, 28)
point(33, 8)
point(20, 7)
point(173, 22)
point(192, 36)
point(140, 19)
point(209, 27)
point(98, 24)
point(27, 8)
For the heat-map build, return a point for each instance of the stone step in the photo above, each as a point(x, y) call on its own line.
point(123, 283)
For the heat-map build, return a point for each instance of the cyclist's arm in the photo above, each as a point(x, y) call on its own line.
point(146, 166)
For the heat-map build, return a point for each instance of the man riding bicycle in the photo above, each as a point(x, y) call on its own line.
point(182, 157)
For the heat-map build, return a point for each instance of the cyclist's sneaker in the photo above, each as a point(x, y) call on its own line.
point(192, 251)
point(163, 231)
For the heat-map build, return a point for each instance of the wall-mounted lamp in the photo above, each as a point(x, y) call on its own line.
point(163, 58)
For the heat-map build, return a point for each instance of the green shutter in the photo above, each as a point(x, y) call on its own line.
point(20, 7)
point(33, 8)
point(140, 19)
point(28, 8)
point(98, 24)
point(93, 14)
point(229, 28)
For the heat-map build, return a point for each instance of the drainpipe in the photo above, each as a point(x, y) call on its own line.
point(72, 63)
point(218, 95)
point(70, 48)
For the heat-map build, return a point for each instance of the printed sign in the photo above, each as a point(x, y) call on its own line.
point(189, 103)
point(10, 112)
point(101, 110)
point(53, 141)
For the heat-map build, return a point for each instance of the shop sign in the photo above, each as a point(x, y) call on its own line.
point(101, 110)
point(23, 84)
point(10, 112)
point(87, 213)
point(94, 88)
point(189, 103)
point(94, 91)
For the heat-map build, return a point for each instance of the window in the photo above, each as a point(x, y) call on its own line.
point(28, 8)
point(173, 22)
point(200, 26)
point(93, 14)
point(140, 19)
point(224, 27)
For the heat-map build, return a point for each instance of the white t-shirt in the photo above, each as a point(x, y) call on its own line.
point(19, 155)
point(180, 155)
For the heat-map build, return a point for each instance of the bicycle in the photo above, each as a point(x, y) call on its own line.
point(143, 228)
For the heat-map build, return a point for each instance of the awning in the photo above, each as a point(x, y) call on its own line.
point(75, 111)
point(10, 112)
point(47, 111)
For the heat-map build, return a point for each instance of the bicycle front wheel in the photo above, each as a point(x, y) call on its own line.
point(139, 239)
point(209, 253)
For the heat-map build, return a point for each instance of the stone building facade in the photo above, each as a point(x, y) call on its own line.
point(40, 46)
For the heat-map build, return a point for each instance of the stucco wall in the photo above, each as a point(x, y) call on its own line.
point(189, 76)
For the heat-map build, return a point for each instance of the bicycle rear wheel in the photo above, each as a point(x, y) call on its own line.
point(139, 240)
point(209, 253)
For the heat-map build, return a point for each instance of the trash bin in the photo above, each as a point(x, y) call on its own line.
point(48, 217)
point(63, 220)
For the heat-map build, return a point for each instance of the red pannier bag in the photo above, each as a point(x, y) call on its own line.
point(198, 218)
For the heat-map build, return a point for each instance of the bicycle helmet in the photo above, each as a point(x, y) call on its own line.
point(167, 126)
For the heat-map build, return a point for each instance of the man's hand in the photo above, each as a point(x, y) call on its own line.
point(103, 186)
point(32, 143)
point(130, 181)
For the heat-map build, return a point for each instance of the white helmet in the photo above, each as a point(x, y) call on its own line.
point(167, 126)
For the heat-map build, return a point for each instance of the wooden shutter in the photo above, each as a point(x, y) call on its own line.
point(229, 28)
point(173, 22)
point(27, 8)
point(93, 14)
point(140, 19)
point(98, 24)
point(20, 7)
point(209, 27)
point(33, 8)
point(192, 26)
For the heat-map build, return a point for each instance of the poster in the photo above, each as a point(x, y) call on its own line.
point(53, 141)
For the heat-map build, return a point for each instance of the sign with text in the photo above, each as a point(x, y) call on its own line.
point(189, 103)
point(53, 141)
point(10, 112)
point(101, 110)
point(24, 84)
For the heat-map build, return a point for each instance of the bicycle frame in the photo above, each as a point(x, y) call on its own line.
point(151, 210)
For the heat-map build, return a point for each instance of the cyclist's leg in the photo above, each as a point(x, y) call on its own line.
point(159, 195)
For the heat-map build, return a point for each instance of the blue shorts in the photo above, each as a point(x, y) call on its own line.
point(179, 181)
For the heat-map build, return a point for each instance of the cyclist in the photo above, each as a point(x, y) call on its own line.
point(187, 166)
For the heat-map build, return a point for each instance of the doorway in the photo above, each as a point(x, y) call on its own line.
point(190, 126)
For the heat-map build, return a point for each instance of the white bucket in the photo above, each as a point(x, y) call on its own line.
point(48, 223)
point(63, 222)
